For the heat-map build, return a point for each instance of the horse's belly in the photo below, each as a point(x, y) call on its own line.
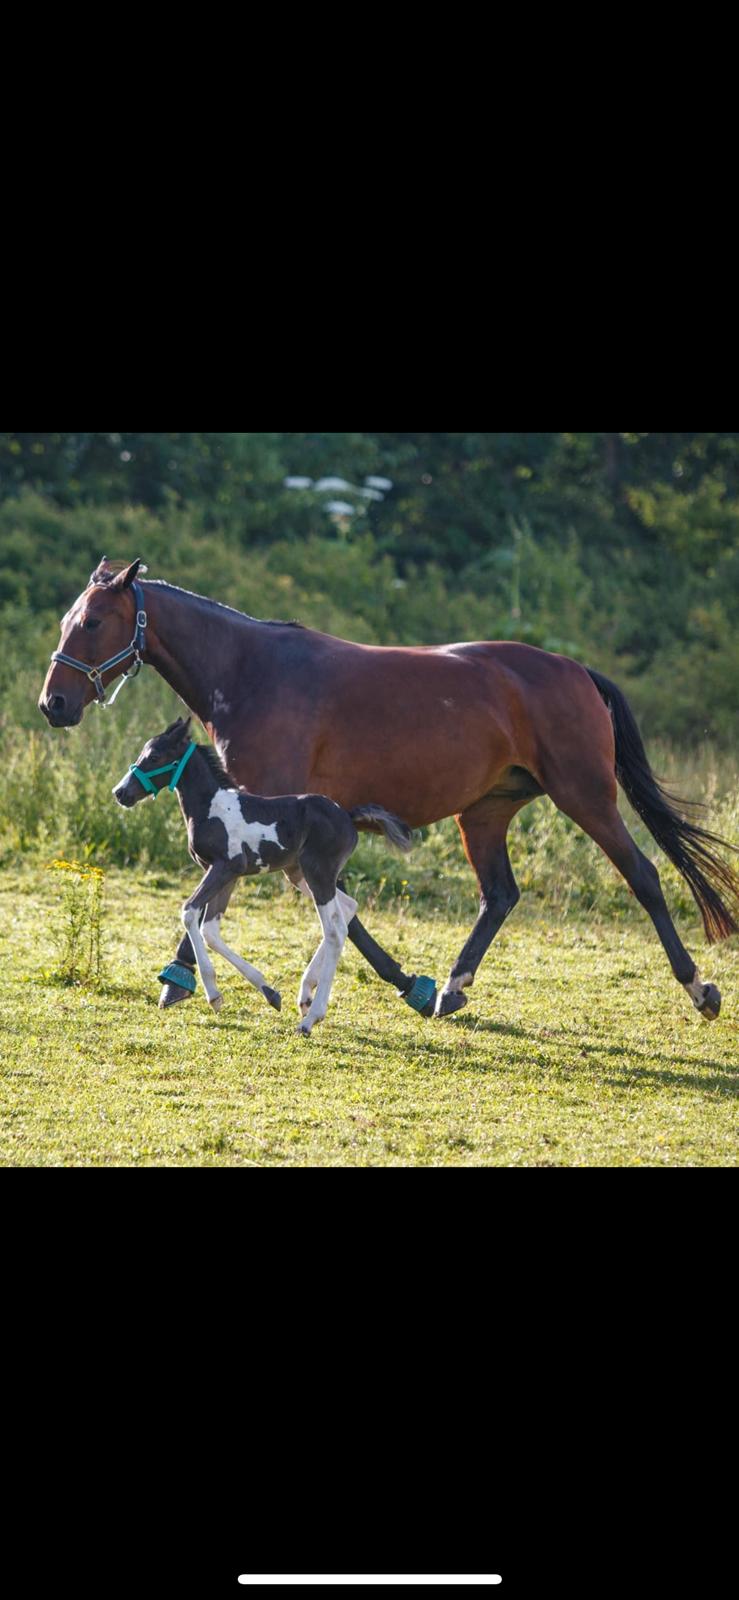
point(426, 748)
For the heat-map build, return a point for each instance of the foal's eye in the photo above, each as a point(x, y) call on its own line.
point(92, 622)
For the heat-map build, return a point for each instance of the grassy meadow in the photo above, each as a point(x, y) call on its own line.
point(577, 1047)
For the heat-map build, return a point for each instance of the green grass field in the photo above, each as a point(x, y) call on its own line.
point(577, 1047)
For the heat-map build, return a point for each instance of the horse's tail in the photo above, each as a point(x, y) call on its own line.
point(372, 819)
point(686, 845)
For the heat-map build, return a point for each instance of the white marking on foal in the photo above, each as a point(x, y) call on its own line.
point(191, 919)
point(212, 936)
point(334, 935)
point(226, 807)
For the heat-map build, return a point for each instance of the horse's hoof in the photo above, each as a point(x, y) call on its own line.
point(216, 1002)
point(272, 995)
point(711, 1003)
point(171, 994)
point(303, 1032)
point(449, 1002)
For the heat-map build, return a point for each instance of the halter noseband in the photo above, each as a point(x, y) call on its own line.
point(135, 649)
point(175, 767)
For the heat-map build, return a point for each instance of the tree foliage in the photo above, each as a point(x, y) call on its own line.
point(622, 547)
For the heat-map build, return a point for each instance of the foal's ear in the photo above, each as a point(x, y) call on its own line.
point(124, 579)
point(179, 729)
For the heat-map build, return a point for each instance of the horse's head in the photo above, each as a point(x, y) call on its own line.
point(96, 629)
point(154, 769)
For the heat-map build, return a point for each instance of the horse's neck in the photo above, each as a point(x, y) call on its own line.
point(195, 648)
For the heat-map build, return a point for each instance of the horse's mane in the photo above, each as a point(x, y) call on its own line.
point(107, 572)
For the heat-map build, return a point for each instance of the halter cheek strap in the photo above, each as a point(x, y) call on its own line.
point(136, 649)
point(175, 767)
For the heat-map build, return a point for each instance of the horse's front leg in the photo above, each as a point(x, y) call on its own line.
point(217, 878)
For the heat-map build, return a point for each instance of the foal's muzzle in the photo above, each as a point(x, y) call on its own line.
point(58, 712)
point(127, 792)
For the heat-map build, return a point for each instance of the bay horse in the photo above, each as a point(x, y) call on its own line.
point(473, 730)
point(233, 834)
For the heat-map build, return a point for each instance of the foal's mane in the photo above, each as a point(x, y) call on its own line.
point(213, 761)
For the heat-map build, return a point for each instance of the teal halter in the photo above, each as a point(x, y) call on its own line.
point(175, 767)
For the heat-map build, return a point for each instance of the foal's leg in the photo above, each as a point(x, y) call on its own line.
point(211, 931)
point(332, 944)
point(594, 809)
point(386, 967)
point(312, 972)
point(321, 859)
point(216, 879)
point(483, 828)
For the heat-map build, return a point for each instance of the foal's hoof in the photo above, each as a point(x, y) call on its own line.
point(448, 1003)
point(303, 1031)
point(710, 1005)
point(272, 995)
point(421, 996)
point(171, 994)
point(216, 1003)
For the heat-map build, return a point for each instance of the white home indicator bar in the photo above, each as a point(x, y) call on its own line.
point(316, 1578)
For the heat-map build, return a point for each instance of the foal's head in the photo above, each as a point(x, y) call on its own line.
point(99, 624)
point(165, 751)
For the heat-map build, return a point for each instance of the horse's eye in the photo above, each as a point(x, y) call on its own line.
point(92, 622)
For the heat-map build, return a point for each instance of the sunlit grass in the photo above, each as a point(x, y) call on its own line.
point(577, 1047)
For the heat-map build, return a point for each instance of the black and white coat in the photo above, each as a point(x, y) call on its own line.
point(233, 834)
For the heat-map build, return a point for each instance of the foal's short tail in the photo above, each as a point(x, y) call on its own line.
point(372, 819)
point(686, 845)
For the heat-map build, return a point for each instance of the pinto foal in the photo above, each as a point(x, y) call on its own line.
point(233, 834)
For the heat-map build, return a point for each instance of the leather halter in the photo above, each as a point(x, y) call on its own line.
point(136, 649)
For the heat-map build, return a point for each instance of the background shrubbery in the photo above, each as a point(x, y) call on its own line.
point(619, 549)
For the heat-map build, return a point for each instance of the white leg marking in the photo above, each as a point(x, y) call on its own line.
point(212, 937)
point(453, 986)
point(334, 935)
point(348, 906)
point(705, 998)
point(310, 979)
point(456, 985)
point(695, 989)
point(205, 965)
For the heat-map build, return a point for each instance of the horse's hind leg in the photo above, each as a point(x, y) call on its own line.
point(483, 828)
point(595, 811)
point(211, 930)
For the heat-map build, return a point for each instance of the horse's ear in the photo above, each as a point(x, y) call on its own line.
point(124, 579)
point(100, 571)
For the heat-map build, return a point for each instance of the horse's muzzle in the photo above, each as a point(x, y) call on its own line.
point(58, 712)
